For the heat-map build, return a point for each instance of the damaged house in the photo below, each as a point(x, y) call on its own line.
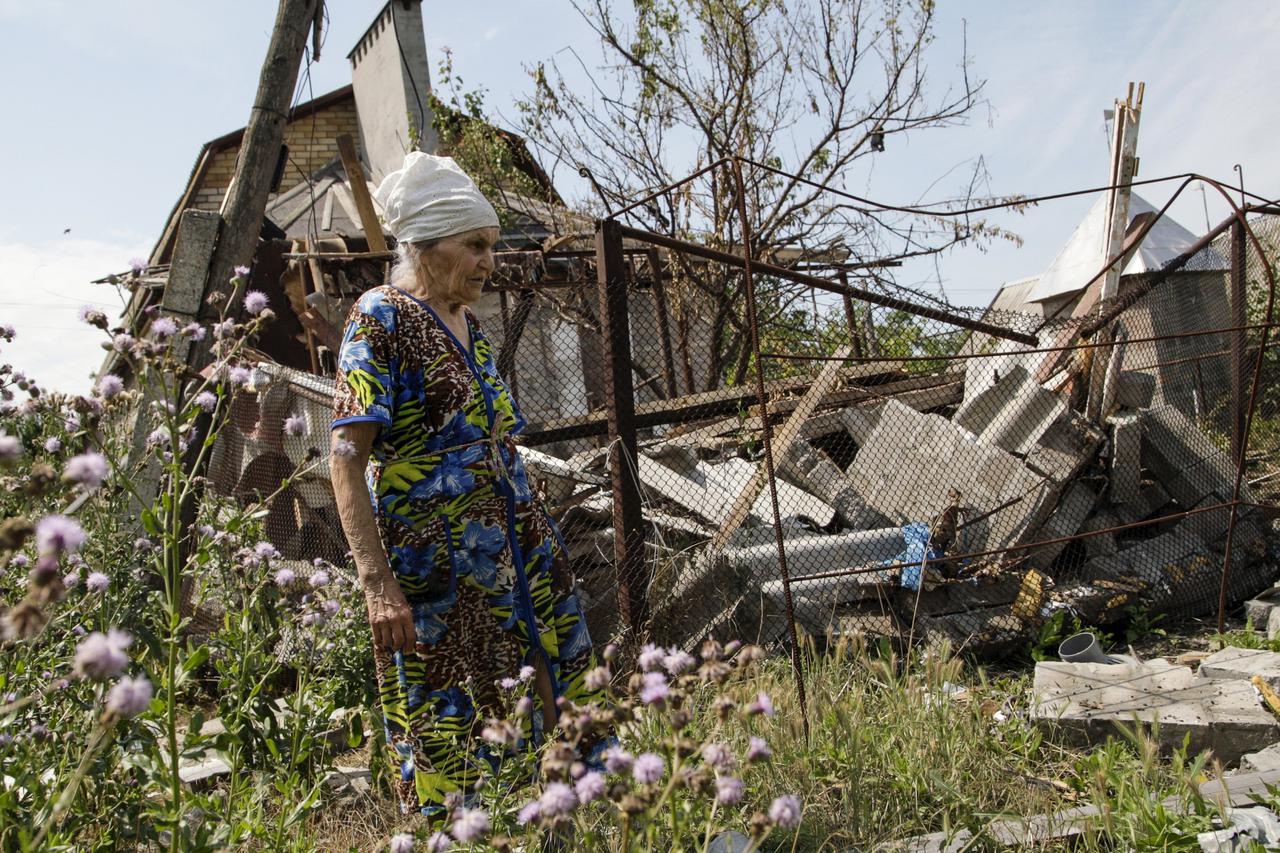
point(959, 494)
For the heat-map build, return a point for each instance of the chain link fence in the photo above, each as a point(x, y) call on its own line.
point(913, 472)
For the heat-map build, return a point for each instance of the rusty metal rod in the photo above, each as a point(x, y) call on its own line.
point(767, 434)
point(686, 247)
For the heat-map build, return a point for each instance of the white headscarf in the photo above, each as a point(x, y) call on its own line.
point(430, 197)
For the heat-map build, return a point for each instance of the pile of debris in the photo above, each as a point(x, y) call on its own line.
point(901, 521)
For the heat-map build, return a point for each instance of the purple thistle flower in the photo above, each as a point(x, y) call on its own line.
point(266, 551)
point(255, 301)
point(762, 705)
point(785, 811)
point(719, 756)
point(649, 767)
point(655, 690)
point(402, 843)
point(93, 316)
point(651, 657)
point(508, 683)
point(331, 606)
point(19, 561)
point(242, 272)
point(164, 327)
point(87, 469)
point(527, 672)
point(285, 577)
point(618, 760)
point(122, 342)
point(557, 799)
point(52, 444)
point(728, 790)
point(157, 437)
point(129, 697)
point(206, 400)
point(678, 661)
point(138, 265)
point(438, 842)
point(110, 385)
point(225, 329)
point(524, 707)
point(194, 331)
point(344, 449)
point(10, 447)
point(470, 825)
point(56, 534)
point(319, 579)
point(142, 544)
point(101, 656)
point(97, 582)
point(239, 375)
point(590, 787)
point(598, 678)
point(295, 425)
point(71, 580)
point(529, 813)
point(758, 750)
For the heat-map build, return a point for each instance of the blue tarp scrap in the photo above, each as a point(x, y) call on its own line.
point(916, 537)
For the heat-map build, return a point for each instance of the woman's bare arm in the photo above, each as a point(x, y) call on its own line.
point(389, 613)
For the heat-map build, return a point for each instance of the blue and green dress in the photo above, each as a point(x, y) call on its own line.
point(480, 561)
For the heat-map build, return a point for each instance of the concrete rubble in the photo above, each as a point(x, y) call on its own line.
point(985, 467)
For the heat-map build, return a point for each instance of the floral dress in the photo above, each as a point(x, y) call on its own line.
point(481, 563)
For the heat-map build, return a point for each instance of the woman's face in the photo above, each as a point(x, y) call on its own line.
point(456, 268)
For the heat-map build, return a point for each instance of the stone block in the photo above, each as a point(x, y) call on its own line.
point(1012, 414)
point(1100, 544)
point(1257, 610)
point(203, 773)
point(1273, 624)
point(192, 252)
point(1126, 461)
point(813, 471)
point(1188, 464)
point(1264, 761)
point(1237, 663)
point(1088, 701)
point(1077, 502)
point(859, 421)
point(911, 462)
point(1135, 389)
point(1151, 499)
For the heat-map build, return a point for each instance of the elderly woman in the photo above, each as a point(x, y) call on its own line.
point(469, 594)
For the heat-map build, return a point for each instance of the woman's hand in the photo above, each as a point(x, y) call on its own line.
point(390, 617)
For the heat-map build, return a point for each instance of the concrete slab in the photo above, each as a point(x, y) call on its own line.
point(1273, 624)
point(1257, 610)
point(1188, 464)
point(912, 461)
point(1126, 461)
point(1100, 544)
point(816, 552)
point(1237, 663)
point(814, 472)
point(1151, 499)
point(735, 474)
point(1012, 414)
point(1267, 760)
point(859, 421)
point(1087, 701)
point(1135, 389)
point(1076, 503)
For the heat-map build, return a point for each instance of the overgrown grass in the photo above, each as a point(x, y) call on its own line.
point(899, 749)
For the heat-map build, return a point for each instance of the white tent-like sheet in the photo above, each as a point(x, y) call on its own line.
point(1085, 253)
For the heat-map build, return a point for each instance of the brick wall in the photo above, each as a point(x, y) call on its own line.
point(311, 145)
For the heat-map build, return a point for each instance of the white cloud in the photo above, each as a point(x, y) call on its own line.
point(42, 288)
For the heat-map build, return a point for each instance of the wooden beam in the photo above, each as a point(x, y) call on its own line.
point(360, 192)
point(741, 509)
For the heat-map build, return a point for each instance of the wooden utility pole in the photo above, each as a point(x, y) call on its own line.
point(246, 199)
point(1124, 168)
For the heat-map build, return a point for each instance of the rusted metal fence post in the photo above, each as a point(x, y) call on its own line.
point(1238, 322)
point(628, 523)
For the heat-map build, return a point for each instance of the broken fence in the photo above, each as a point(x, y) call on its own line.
point(821, 457)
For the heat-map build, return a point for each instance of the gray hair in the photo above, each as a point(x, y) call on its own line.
point(408, 255)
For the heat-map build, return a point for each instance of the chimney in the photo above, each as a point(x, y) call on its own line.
point(390, 78)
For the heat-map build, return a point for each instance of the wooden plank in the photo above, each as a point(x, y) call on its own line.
point(786, 436)
point(360, 192)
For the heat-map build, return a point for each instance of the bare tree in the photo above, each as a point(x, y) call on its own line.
point(809, 86)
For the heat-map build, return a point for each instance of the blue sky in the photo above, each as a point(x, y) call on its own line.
point(113, 100)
